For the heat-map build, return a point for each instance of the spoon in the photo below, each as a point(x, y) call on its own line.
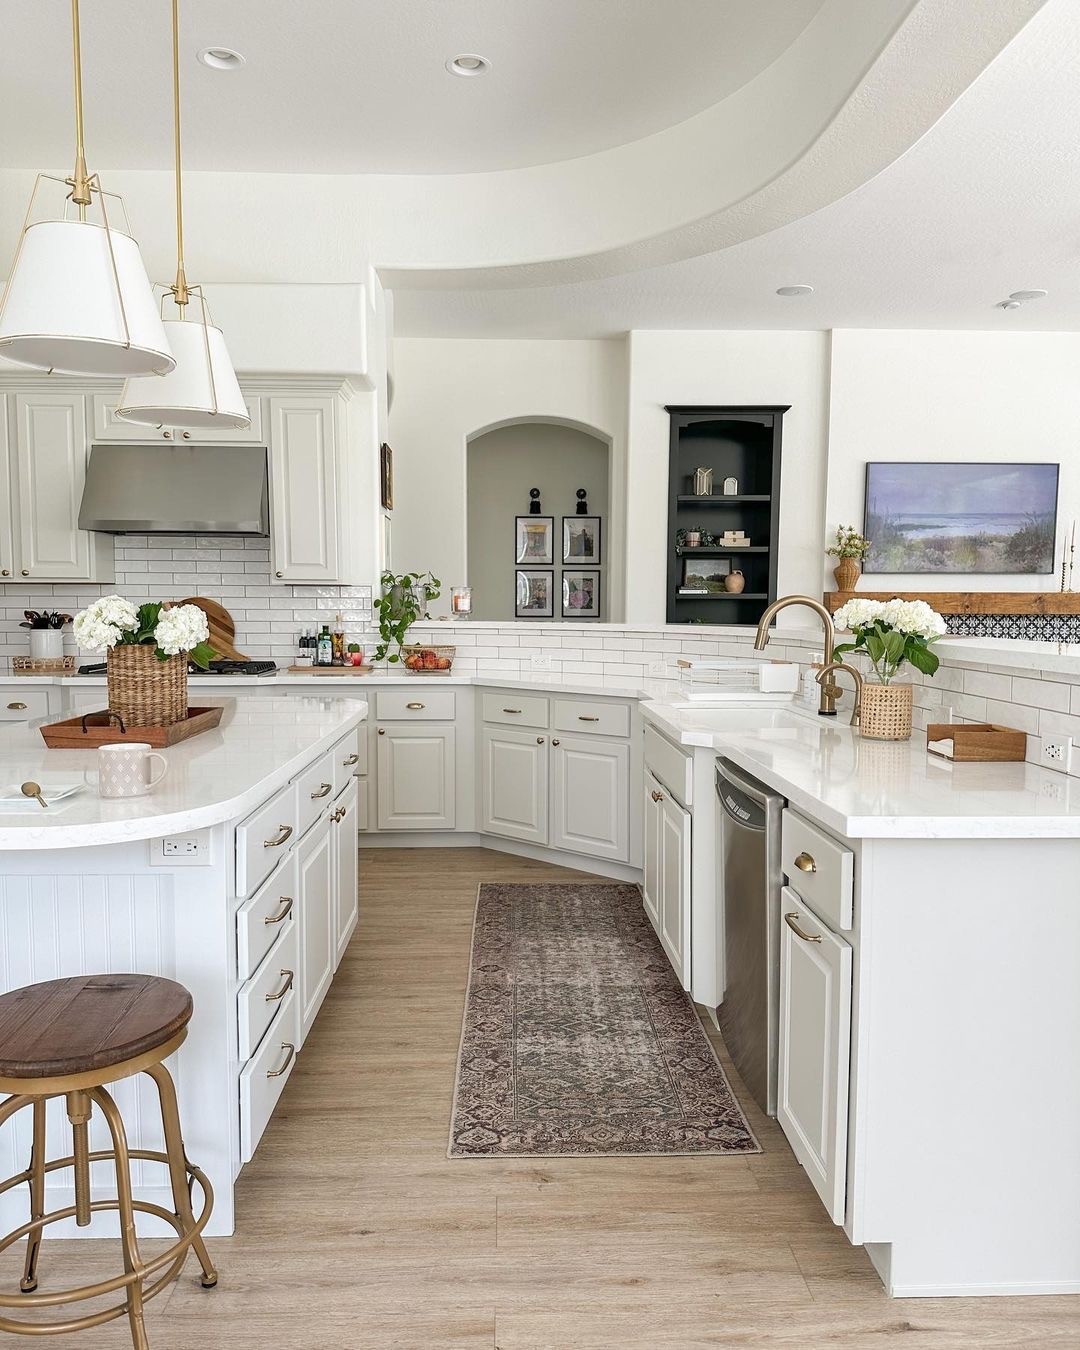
point(34, 790)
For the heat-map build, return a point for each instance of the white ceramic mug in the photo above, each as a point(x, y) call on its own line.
point(124, 770)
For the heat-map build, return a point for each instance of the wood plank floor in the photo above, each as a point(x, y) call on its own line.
point(355, 1232)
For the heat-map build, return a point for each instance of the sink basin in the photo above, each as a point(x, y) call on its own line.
point(739, 719)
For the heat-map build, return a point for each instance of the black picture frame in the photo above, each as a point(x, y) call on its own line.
point(585, 523)
point(524, 579)
point(386, 477)
point(529, 528)
point(577, 576)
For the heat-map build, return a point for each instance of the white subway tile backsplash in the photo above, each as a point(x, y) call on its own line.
point(988, 686)
point(1040, 693)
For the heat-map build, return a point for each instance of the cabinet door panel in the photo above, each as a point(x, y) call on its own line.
point(416, 778)
point(650, 817)
point(303, 486)
point(346, 874)
point(591, 797)
point(514, 784)
point(7, 533)
point(675, 886)
point(815, 1044)
point(50, 449)
point(315, 858)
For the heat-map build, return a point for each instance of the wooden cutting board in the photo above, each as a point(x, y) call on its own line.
point(222, 627)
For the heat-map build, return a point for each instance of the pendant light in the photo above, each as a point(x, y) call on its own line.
point(78, 299)
point(201, 391)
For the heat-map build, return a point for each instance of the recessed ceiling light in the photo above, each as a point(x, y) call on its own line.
point(1027, 295)
point(221, 58)
point(795, 290)
point(468, 64)
point(1008, 304)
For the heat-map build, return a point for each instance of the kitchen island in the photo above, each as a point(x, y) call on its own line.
point(237, 877)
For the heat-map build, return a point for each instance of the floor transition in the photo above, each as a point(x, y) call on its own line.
point(355, 1232)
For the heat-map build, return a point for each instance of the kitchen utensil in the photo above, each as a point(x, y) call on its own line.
point(34, 790)
point(222, 627)
point(105, 728)
point(53, 789)
point(125, 770)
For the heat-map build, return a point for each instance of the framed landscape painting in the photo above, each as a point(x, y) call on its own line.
point(961, 518)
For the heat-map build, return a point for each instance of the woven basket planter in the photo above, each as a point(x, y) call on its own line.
point(885, 712)
point(144, 691)
point(846, 573)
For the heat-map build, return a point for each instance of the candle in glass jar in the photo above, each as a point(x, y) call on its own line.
point(461, 601)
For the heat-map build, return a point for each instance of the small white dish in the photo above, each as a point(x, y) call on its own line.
point(52, 789)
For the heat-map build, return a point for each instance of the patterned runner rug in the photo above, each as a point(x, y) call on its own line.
point(577, 1040)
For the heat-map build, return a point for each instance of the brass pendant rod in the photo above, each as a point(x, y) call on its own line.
point(180, 290)
point(80, 179)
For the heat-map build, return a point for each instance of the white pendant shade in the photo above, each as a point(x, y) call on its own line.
point(63, 310)
point(197, 393)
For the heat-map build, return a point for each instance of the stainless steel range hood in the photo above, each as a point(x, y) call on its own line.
point(177, 489)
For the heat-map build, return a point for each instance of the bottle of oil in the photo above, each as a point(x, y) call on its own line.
point(324, 655)
point(337, 639)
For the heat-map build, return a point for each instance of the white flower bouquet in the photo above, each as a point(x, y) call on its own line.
point(113, 621)
point(892, 632)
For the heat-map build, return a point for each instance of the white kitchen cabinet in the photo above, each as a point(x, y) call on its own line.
point(316, 862)
point(51, 450)
point(7, 534)
point(815, 1046)
point(304, 533)
point(674, 888)
point(590, 797)
point(514, 784)
point(108, 427)
point(416, 776)
point(651, 817)
point(346, 871)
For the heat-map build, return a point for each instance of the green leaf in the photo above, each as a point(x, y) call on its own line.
point(894, 647)
point(924, 660)
point(875, 646)
point(148, 621)
point(202, 655)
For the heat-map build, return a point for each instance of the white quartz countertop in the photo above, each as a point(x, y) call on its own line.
point(260, 744)
point(878, 789)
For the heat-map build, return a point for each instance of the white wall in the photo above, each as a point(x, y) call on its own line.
point(951, 396)
point(725, 368)
point(447, 391)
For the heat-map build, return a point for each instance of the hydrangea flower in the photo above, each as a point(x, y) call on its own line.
point(181, 628)
point(891, 633)
point(103, 624)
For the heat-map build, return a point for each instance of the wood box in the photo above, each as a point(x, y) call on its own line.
point(99, 728)
point(977, 742)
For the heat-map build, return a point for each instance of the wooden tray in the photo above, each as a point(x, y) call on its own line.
point(331, 670)
point(105, 728)
point(978, 742)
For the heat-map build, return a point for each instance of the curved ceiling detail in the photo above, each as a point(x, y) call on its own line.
point(859, 86)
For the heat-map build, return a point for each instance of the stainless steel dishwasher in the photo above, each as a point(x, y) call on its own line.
point(749, 884)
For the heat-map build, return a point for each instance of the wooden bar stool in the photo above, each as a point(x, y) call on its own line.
point(69, 1038)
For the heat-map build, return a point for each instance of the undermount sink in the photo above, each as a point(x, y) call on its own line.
point(741, 718)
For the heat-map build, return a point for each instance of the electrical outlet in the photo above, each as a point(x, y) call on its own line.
point(657, 670)
point(181, 850)
point(1057, 752)
point(540, 661)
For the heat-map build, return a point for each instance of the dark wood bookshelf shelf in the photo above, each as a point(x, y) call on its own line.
point(727, 595)
point(719, 550)
point(741, 499)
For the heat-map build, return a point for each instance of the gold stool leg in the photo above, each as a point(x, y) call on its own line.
point(79, 1111)
point(132, 1260)
point(174, 1147)
point(29, 1281)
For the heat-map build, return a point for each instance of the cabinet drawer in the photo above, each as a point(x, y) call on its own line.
point(258, 1000)
point(516, 710)
point(669, 766)
point(265, 1074)
point(263, 838)
point(314, 788)
point(819, 868)
point(419, 705)
point(260, 919)
point(19, 705)
point(349, 758)
point(588, 715)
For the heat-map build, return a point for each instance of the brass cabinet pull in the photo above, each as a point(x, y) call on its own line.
point(16, 707)
point(539, 740)
point(279, 574)
point(324, 790)
point(26, 571)
point(273, 998)
point(350, 759)
point(339, 815)
point(414, 707)
point(556, 741)
point(805, 863)
point(167, 435)
point(5, 572)
point(283, 913)
point(656, 796)
point(276, 1073)
point(789, 919)
point(382, 731)
point(512, 710)
point(187, 435)
point(588, 719)
point(284, 833)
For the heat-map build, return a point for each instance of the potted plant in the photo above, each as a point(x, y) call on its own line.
point(850, 549)
point(404, 600)
point(148, 648)
point(890, 633)
point(46, 633)
point(356, 654)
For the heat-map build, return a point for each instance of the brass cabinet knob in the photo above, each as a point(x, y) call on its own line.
point(539, 740)
point(555, 741)
point(805, 863)
point(4, 572)
point(350, 759)
point(26, 571)
point(167, 435)
point(187, 435)
point(656, 796)
point(382, 731)
point(279, 574)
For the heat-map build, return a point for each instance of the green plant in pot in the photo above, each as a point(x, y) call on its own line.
point(403, 602)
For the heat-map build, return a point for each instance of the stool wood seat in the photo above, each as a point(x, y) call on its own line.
point(68, 1038)
point(87, 1022)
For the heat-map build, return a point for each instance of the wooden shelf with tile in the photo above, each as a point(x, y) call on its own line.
point(970, 602)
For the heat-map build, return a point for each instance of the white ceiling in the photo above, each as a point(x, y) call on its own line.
point(986, 203)
point(355, 86)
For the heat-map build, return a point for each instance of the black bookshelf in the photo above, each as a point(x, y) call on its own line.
point(735, 442)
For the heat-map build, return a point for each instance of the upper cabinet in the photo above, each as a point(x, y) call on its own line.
point(107, 426)
point(47, 452)
point(305, 447)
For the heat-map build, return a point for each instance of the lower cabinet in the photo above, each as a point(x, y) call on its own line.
point(346, 905)
point(514, 784)
point(316, 863)
point(590, 784)
point(815, 1047)
point(667, 831)
point(416, 784)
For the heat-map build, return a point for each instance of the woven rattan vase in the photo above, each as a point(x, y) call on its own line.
point(885, 712)
point(144, 691)
point(846, 574)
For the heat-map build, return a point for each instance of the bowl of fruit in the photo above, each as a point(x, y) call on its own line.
point(427, 660)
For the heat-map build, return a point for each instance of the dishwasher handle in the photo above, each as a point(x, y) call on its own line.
point(745, 801)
